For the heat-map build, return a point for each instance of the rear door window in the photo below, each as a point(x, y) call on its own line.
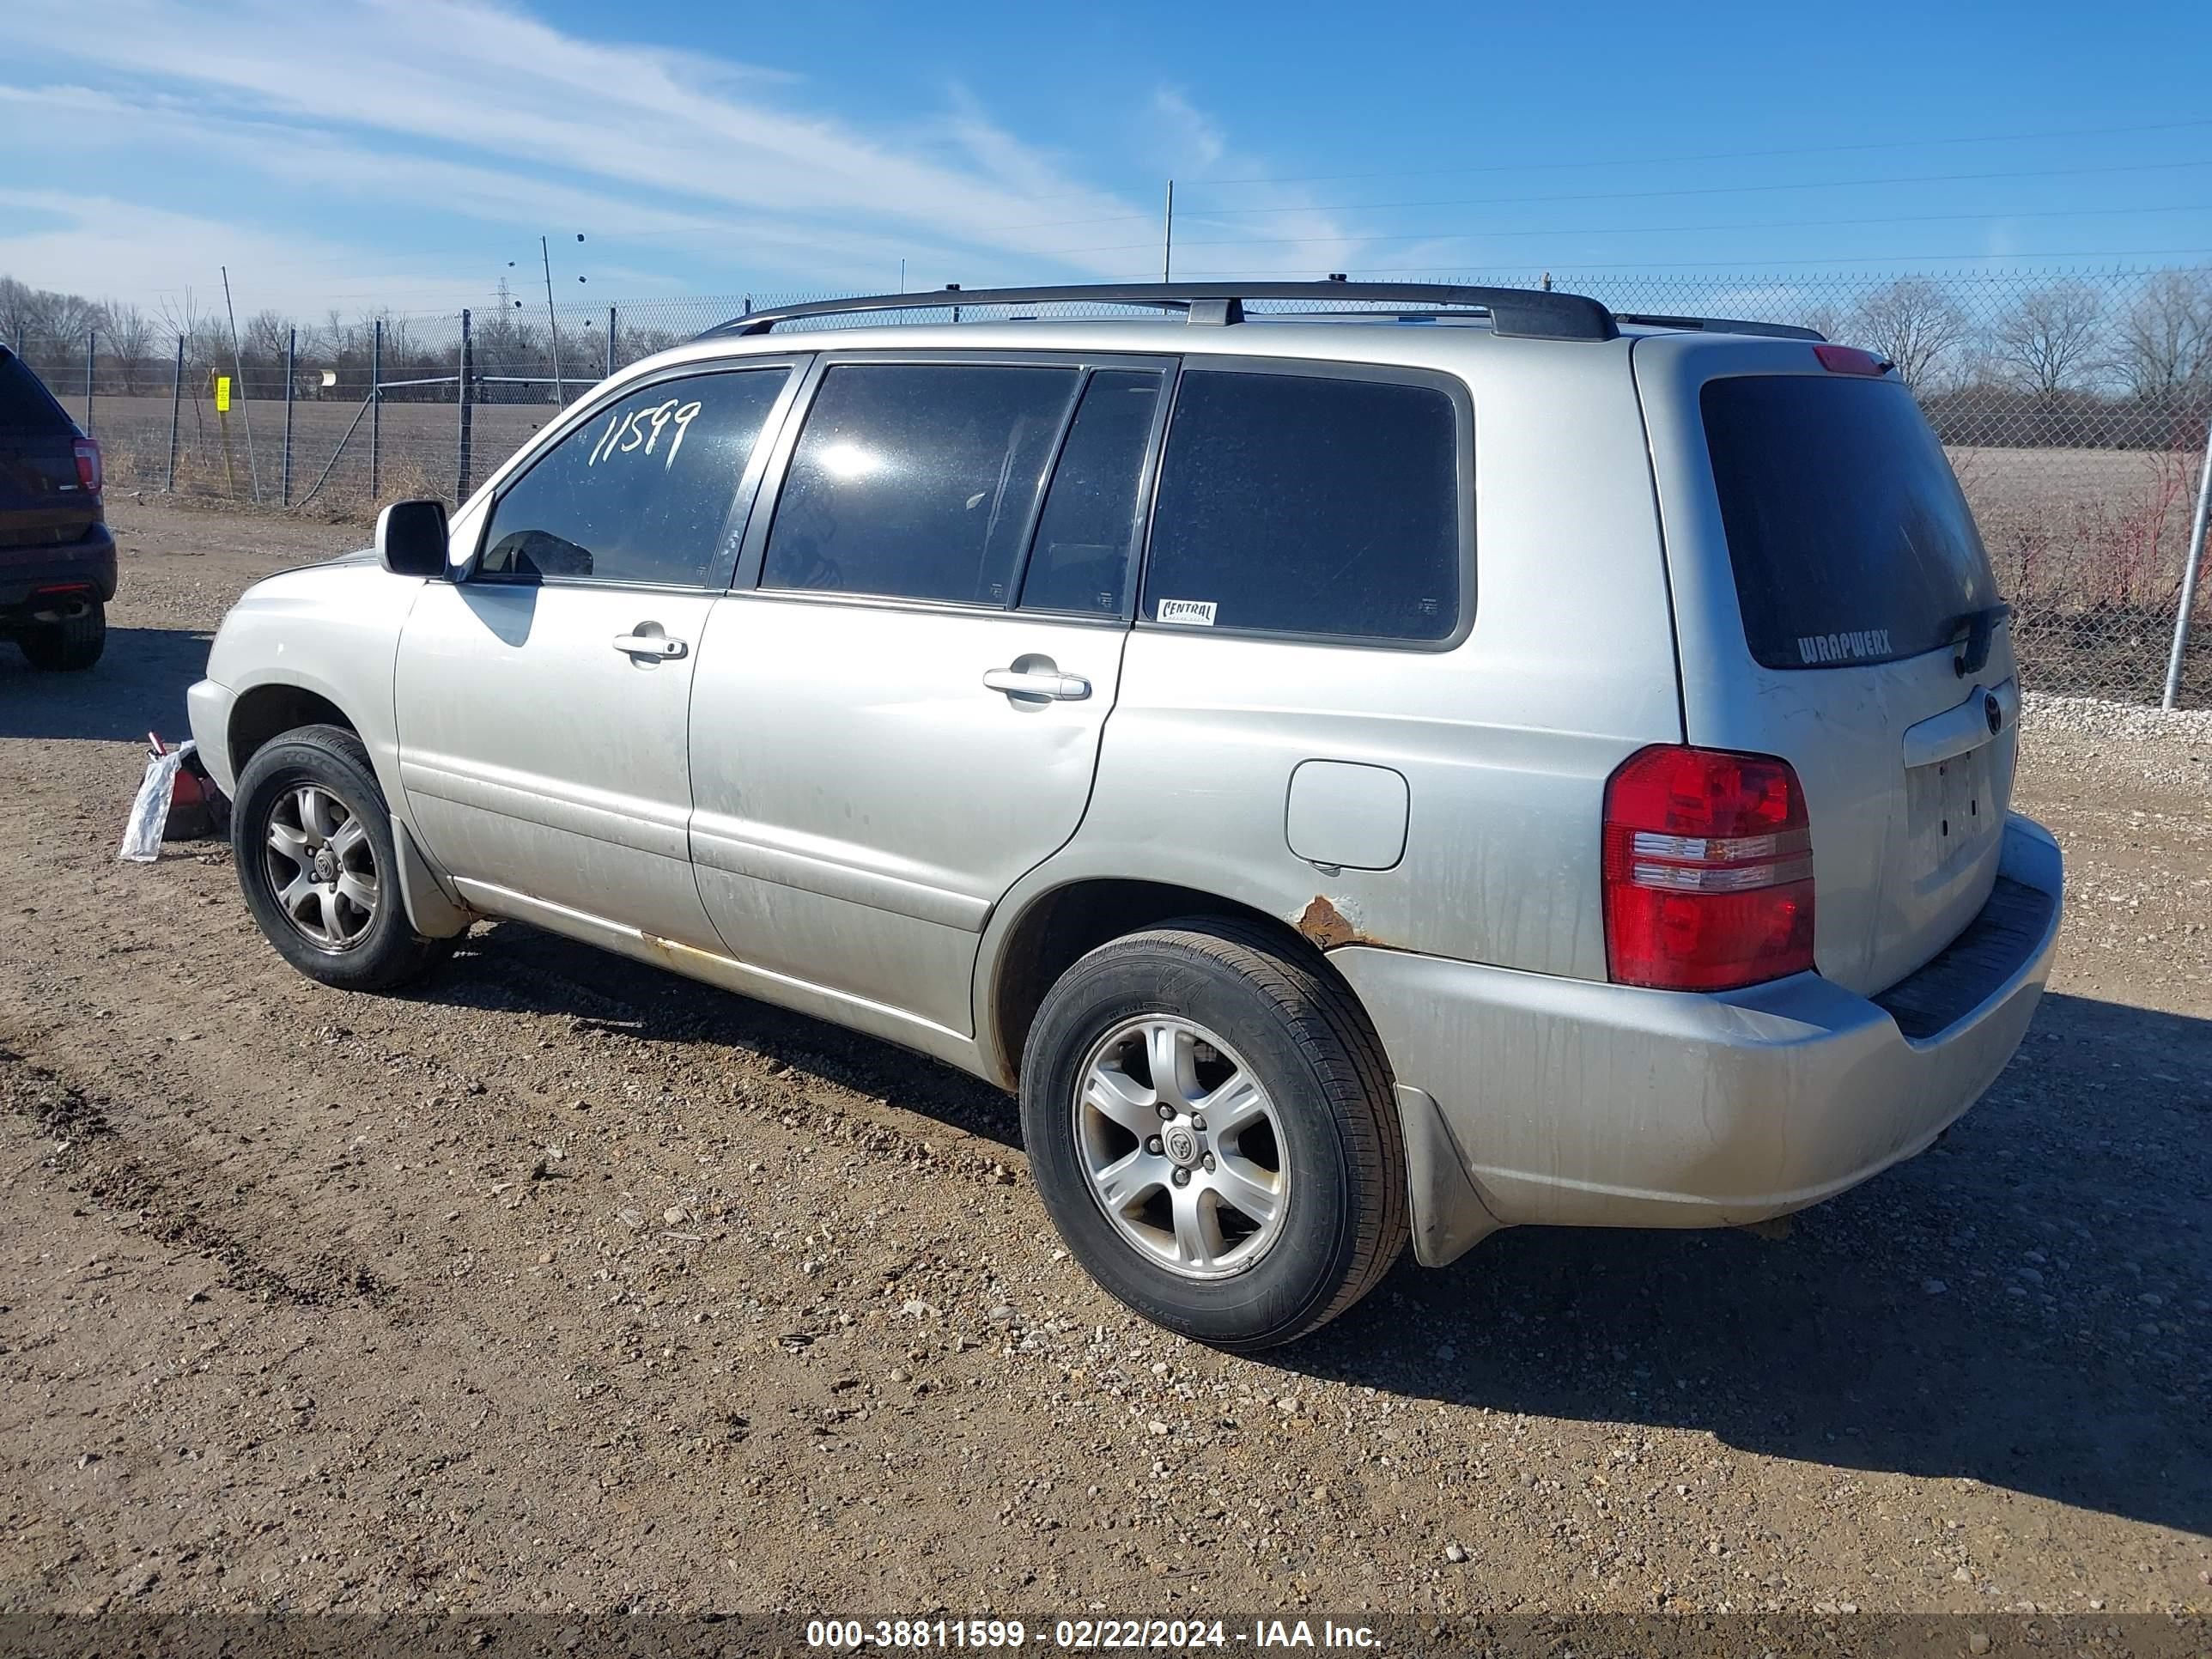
point(640, 493)
point(1079, 560)
point(918, 481)
point(25, 407)
point(1848, 537)
point(1308, 504)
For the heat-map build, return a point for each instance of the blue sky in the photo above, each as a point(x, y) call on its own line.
point(400, 153)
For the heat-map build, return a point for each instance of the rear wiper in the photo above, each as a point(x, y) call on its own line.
point(1971, 634)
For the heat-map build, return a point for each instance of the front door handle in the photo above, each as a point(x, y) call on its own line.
point(657, 647)
point(1035, 682)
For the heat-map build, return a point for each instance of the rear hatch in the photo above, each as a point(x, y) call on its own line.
point(41, 503)
point(1828, 583)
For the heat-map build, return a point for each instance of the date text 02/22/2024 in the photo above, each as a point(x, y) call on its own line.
point(1086, 1635)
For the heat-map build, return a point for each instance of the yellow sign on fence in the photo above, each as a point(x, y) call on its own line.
point(223, 394)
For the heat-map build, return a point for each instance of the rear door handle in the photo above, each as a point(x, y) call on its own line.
point(658, 647)
point(1032, 683)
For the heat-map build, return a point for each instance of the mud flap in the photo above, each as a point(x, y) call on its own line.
point(435, 916)
point(1449, 1217)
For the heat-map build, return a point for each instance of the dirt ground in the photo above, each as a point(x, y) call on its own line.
point(568, 1283)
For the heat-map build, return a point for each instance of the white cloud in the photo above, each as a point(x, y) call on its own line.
point(483, 113)
point(115, 249)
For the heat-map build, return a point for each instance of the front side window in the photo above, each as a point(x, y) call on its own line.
point(639, 494)
point(1308, 504)
point(917, 481)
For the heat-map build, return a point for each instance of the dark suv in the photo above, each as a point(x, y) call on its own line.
point(56, 554)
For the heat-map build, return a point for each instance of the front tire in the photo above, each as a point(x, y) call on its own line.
point(68, 645)
point(1212, 1126)
point(311, 836)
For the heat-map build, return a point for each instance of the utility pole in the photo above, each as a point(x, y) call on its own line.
point(176, 408)
point(245, 404)
point(1167, 238)
point(291, 378)
point(375, 409)
point(552, 321)
point(467, 413)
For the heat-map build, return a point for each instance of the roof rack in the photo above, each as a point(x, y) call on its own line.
point(1529, 314)
point(1525, 312)
point(1722, 326)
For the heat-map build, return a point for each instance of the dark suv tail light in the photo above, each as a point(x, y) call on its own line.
point(1708, 871)
point(88, 465)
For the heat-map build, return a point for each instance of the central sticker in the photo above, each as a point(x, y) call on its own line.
point(1197, 613)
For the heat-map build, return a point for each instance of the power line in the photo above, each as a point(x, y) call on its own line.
point(1752, 272)
point(1702, 190)
point(1714, 155)
point(1647, 230)
point(1619, 195)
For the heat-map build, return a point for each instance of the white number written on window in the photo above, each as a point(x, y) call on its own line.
point(642, 428)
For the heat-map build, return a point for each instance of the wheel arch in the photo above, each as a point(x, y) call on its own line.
point(269, 710)
point(1056, 927)
point(264, 712)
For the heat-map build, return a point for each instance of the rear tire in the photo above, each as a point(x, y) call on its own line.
point(1240, 1238)
point(70, 645)
point(311, 836)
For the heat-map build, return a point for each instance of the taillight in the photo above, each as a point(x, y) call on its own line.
point(1850, 360)
point(1707, 871)
point(88, 465)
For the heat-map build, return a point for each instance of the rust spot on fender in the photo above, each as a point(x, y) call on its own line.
point(1327, 927)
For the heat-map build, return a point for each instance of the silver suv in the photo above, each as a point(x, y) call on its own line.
point(1466, 761)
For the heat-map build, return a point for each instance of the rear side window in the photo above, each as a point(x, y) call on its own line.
point(1850, 540)
point(640, 493)
point(25, 408)
point(1308, 504)
point(1080, 559)
point(917, 481)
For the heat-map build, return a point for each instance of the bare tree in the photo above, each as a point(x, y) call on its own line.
point(128, 334)
point(18, 306)
point(1825, 320)
point(2050, 339)
point(40, 319)
point(1914, 323)
point(2165, 341)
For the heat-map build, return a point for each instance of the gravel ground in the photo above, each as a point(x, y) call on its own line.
point(568, 1283)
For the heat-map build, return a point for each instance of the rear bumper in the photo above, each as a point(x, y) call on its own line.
point(1571, 1103)
point(25, 570)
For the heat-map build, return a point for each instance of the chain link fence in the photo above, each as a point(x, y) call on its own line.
point(2074, 406)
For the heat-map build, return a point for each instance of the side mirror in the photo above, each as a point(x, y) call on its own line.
point(410, 539)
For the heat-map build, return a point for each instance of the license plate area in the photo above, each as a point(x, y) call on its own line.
point(1952, 814)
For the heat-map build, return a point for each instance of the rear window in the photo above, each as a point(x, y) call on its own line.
point(1849, 540)
point(24, 405)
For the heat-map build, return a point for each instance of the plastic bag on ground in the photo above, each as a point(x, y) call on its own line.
point(149, 813)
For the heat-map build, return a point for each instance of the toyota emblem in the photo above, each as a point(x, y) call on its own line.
point(1993, 711)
